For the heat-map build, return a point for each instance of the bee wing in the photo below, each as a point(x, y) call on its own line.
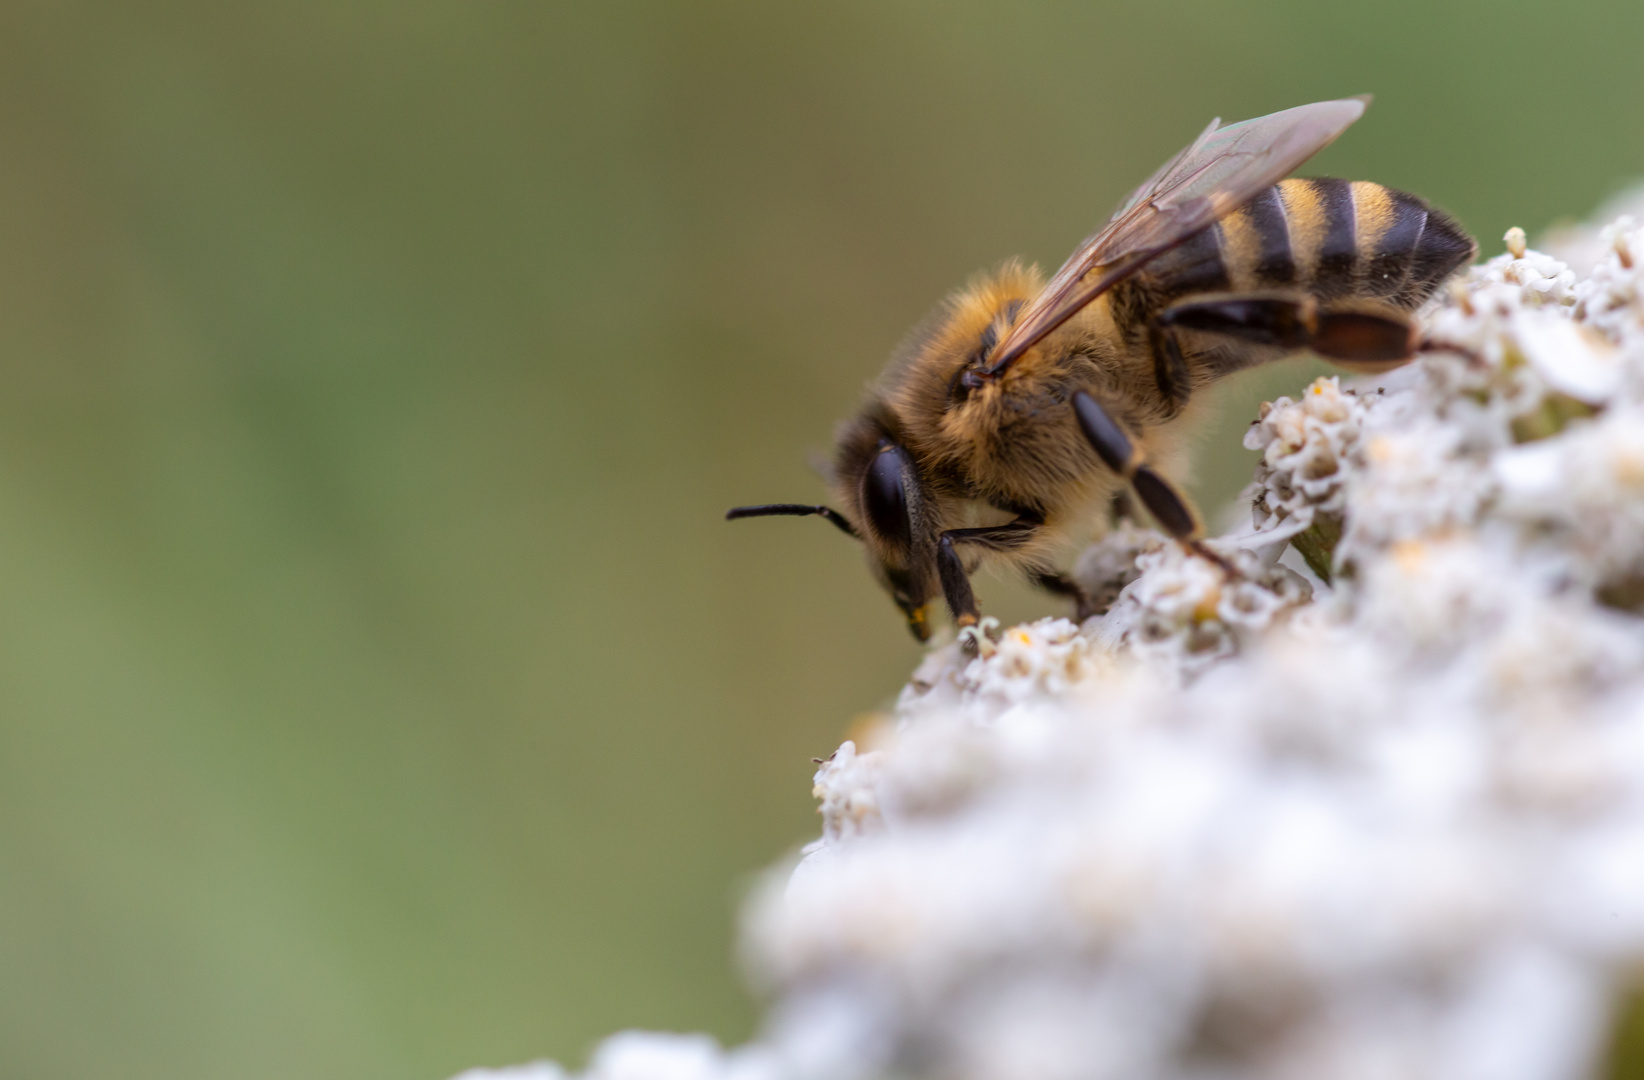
point(1156, 181)
point(1223, 169)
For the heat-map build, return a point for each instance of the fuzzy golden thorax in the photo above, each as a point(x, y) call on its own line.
point(1012, 444)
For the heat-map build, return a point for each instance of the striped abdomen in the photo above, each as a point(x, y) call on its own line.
point(1333, 239)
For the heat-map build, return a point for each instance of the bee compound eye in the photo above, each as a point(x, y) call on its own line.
point(885, 498)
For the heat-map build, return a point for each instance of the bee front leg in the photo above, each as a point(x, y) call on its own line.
point(955, 583)
point(1361, 340)
point(950, 568)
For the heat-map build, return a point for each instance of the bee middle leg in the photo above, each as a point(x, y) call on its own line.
point(1169, 507)
point(1118, 452)
point(1084, 606)
point(1366, 341)
point(1169, 367)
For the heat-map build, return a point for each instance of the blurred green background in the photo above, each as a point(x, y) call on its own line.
point(380, 690)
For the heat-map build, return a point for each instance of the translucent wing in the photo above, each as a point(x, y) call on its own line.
point(1153, 182)
point(1225, 168)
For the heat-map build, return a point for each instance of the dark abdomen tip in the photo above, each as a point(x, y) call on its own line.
point(1443, 249)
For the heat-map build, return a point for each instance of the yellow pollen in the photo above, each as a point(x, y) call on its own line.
point(1410, 555)
point(1629, 468)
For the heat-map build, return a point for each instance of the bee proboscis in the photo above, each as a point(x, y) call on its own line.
point(1009, 422)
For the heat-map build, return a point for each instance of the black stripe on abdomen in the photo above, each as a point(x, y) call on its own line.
point(1392, 250)
point(1194, 266)
point(1441, 250)
point(1338, 249)
point(1276, 265)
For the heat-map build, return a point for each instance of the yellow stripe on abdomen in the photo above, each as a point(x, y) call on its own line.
point(1241, 250)
point(1304, 215)
point(1373, 216)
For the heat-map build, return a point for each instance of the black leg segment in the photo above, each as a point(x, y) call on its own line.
point(1111, 443)
point(955, 583)
point(1062, 585)
point(951, 569)
point(1285, 321)
point(1057, 584)
point(1166, 505)
point(1370, 341)
point(1169, 367)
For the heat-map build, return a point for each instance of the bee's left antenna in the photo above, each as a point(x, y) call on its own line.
point(793, 510)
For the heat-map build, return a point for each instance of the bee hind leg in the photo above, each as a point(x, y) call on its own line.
point(1360, 340)
point(1365, 342)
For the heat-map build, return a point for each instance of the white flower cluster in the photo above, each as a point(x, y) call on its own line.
point(1186, 612)
point(1305, 446)
point(1238, 827)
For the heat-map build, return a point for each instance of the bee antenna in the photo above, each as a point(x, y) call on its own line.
point(793, 510)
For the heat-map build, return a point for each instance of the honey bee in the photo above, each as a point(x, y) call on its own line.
point(1012, 419)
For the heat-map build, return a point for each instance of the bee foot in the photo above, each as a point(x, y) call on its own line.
point(1211, 555)
point(981, 639)
point(1467, 353)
